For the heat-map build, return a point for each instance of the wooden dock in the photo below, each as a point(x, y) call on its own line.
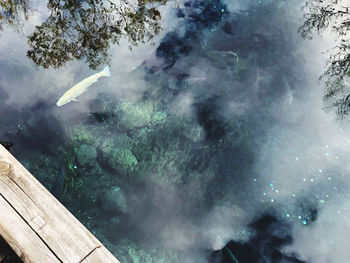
point(37, 226)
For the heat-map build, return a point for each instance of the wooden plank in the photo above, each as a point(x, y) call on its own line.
point(24, 206)
point(68, 239)
point(98, 254)
point(23, 240)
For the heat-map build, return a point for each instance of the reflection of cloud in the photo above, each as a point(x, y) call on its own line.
point(182, 105)
point(301, 162)
point(179, 235)
point(304, 159)
point(237, 108)
point(225, 223)
point(327, 240)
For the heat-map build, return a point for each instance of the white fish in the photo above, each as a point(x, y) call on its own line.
point(81, 87)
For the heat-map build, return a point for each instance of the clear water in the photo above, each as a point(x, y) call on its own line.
point(208, 143)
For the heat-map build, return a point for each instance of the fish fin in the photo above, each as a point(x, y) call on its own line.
point(106, 72)
point(75, 100)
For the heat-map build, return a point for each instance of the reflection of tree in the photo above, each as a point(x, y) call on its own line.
point(86, 29)
point(10, 11)
point(333, 14)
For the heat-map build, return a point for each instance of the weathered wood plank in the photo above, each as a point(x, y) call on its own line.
point(23, 240)
point(97, 254)
point(24, 206)
point(68, 239)
point(65, 235)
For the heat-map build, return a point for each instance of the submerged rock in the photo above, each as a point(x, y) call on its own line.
point(113, 201)
point(135, 115)
point(110, 143)
point(194, 133)
point(123, 160)
point(115, 152)
point(86, 155)
point(113, 227)
point(159, 117)
point(223, 59)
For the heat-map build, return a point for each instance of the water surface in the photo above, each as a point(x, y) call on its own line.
point(207, 144)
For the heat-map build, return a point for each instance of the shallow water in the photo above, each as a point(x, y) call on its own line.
point(209, 145)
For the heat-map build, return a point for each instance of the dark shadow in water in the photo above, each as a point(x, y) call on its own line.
point(35, 128)
point(198, 16)
point(271, 235)
point(43, 131)
point(209, 118)
point(100, 117)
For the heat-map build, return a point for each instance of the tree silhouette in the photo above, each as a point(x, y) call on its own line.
point(320, 15)
point(85, 29)
point(79, 29)
point(334, 14)
point(10, 11)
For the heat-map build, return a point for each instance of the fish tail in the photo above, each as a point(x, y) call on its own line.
point(106, 72)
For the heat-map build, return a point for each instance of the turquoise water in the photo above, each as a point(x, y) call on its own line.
point(208, 142)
